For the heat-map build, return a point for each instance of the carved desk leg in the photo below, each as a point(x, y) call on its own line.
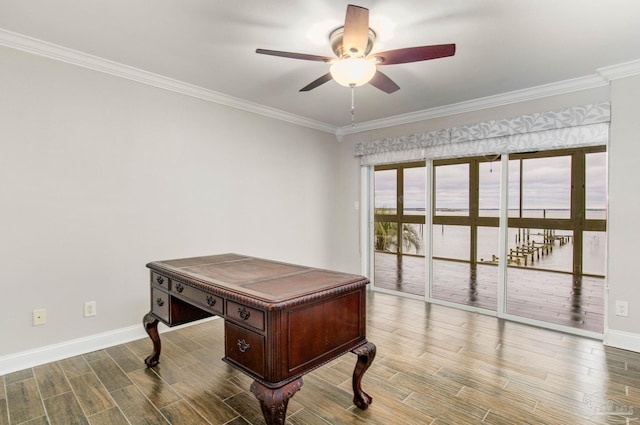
point(366, 353)
point(151, 326)
point(274, 401)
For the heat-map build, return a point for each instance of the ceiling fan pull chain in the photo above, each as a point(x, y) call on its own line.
point(353, 105)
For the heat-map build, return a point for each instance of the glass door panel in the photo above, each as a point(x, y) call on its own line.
point(488, 249)
point(549, 247)
point(594, 246)
point(453, 277)
point(451, 242)
point(411, 252)
point(413, 239)
point(489, 189)
point(399, 228)
point(386, 237)
point(486, 278)
point(487, 234)
point(546, 187)
point(386, 192)
point(414, 192)
point(596, 186)
point(515, 201)
point(452, 189)
point(541, 249)
point(386, 266)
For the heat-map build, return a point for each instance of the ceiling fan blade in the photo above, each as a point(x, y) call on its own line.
point(415, 54)
point(356, 30)
point(320, 81)
point(384, 83)
point(291, 55)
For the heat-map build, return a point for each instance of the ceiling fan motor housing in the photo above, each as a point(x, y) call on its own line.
point(336, 43)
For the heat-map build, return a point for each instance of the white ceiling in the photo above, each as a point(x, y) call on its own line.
point(502, 46)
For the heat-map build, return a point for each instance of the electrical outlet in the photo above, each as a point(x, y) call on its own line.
point(622, 308)
point(89, 308)
point(39, 317)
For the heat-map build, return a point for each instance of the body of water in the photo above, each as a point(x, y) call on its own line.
point(454, 242)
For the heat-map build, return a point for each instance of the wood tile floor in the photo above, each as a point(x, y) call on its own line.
point(435, 365)
point(552, 297)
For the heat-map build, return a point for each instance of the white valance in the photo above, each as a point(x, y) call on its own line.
point(570, 127)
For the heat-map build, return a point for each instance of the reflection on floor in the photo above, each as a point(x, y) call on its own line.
point(557, 298)
point(435, 365)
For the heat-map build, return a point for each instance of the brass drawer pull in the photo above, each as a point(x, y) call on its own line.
point(160, 280)
point(243, 345)
point(160, 302)
point(244, 314)
point(211, 300)
point(179, 287)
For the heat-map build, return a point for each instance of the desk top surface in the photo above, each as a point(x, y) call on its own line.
point(267, 280)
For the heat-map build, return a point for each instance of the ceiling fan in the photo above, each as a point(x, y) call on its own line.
point(353, 66)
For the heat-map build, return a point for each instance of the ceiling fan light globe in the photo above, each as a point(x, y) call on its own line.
point(353, 71)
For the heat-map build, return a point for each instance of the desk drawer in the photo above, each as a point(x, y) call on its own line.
point(160, 304)
point(211, 302)
point(245, 347)
point(246, 315)
point(160, 281)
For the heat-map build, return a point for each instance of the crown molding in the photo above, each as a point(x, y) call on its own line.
point(85, 60)
point(532, 93)
point(53, 51)
point(602, 77)
point(623, 70)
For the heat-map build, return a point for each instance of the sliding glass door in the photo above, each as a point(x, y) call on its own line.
point(557, 204)
point(550, 265)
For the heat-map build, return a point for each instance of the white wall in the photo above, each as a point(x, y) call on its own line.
point(100, 175)
point(624, 213)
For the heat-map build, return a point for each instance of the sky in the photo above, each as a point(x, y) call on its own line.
point(546, 184)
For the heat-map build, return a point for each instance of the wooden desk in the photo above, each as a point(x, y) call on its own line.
point(281, 320)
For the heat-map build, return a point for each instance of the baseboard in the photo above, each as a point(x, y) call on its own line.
point(75, 347)
point(624, 340)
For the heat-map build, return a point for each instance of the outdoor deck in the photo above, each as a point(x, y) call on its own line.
point(557, 298)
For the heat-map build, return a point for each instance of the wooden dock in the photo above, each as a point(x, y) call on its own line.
point(528, 250)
